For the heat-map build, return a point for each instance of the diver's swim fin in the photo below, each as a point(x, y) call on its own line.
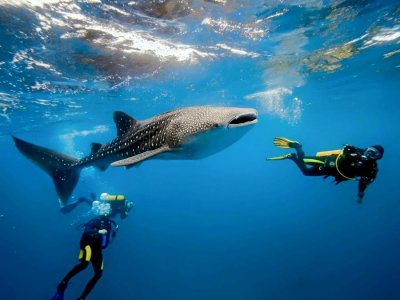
point(286, 156)
point(282, 142)
point(58, 296)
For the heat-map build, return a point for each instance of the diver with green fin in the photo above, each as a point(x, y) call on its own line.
point(348, 163)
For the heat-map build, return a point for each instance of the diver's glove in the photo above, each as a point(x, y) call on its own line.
point(102, 231)
point(114, 231)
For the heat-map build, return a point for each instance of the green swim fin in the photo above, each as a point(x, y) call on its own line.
point(282, 142)
point(286, 156)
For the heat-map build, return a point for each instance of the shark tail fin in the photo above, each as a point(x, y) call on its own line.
point(61, 168)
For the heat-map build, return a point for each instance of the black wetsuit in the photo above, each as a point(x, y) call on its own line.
point(350, 164)
point(91, 245)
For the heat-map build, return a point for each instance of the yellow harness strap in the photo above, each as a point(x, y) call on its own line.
point(337, 167)
point(88, 253)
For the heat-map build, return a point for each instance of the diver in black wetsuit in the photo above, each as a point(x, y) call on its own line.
point(348, 163)
point(95, 238)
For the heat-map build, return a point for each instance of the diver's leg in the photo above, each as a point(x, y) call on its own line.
point(299, 151)
point(70, 207)
point(307, 170)
point(85, 254)
point(84, 200)
point(75, 270)
point(97, 263)
point(90, 285)
point(298, 158)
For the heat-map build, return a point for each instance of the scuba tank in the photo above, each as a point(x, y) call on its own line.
point(118, 203)
point(107, 197)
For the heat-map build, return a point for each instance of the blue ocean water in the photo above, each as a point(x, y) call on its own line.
point(230, 226)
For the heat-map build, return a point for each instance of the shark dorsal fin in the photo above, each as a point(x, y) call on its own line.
point(95, 147)
point(124, 122)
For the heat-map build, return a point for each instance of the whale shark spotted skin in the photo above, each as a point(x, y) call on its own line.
point(186, 133)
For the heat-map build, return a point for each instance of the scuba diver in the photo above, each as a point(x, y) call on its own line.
point(96, 236)
point(349, 163)
point(118, 204)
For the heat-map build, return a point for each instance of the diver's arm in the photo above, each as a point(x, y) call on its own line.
point(86, 200)
point(365, 182)
point(116, 226)
point(114, 230)
point(362, 185)
point(70, 207)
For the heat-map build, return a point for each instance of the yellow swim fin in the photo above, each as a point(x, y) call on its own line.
point(286, 156)
point(282, 142)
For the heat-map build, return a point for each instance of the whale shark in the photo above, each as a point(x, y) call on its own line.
point(185, 133)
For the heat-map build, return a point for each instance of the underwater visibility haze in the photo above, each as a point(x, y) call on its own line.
point(230, 225)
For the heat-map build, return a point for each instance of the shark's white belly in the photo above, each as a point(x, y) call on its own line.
point(206, 143)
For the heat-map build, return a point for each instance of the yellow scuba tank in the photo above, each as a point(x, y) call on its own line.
point(108, 198)
point(329, 152)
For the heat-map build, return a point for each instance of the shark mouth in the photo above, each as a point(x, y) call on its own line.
point(243, 120)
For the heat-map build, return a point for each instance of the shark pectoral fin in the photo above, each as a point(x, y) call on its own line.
point(140, 157)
